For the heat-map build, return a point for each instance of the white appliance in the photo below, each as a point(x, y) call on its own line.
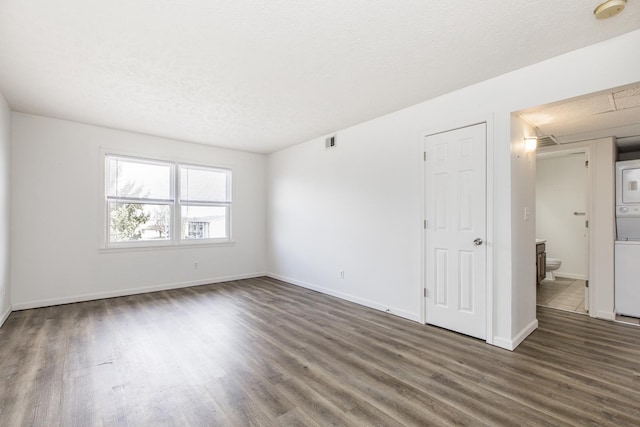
point(628, 200)
point(627, 278)
point(627, 246)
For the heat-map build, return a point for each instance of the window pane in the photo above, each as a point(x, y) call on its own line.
point(131, 178)
point(204, 222)
point(138, 222)
point(203, 185)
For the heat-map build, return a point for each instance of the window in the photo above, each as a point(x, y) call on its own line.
point(147, 200)
point(204, 202)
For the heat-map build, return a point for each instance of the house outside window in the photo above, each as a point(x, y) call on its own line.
point(198, 230)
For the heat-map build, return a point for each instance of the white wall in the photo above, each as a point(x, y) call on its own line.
point(601, 258)
point(561, 185)
point(57, 217)
point(523, 232)
point(359, 207)
point(5, 210)
point(349, 208)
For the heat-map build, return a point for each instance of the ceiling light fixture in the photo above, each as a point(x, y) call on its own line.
point(530, 144)
point(609, 8)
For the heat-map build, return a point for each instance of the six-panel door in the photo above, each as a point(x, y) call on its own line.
point(455, 185)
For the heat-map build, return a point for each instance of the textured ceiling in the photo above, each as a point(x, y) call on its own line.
point(614, 113)
point(260, 76)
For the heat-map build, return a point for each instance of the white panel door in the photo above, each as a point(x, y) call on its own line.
point(455, 186)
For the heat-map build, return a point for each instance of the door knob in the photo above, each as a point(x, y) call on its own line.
point(477, 241)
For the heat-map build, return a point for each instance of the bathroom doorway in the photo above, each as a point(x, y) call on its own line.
point(562, 219)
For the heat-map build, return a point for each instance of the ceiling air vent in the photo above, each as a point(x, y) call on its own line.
point(547, 141)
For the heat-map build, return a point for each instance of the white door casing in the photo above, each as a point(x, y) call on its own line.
point(455, 233)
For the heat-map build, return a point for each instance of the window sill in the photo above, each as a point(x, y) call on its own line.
point(145, 248)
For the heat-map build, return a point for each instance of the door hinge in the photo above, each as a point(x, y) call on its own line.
point(425, 292)
point(586, 163)
point(586, 283)
point(586, 223)
point(425, 224)
point(424, 155)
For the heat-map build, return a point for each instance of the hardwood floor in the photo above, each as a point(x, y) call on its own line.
point(262, 352)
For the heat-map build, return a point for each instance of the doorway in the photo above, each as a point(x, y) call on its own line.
point(607, 124)
point(562, 220)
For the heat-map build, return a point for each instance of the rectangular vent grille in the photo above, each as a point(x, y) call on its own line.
point(330, 142)
point(547, 141)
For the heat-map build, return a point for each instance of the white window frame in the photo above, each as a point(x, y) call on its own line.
point(175, 204)
point(186, 202)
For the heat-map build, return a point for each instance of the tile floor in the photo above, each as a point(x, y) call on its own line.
point(562, 293)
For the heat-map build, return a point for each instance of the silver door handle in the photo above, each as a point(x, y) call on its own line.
point(477, 241)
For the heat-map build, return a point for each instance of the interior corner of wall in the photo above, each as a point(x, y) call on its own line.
point(5, 314)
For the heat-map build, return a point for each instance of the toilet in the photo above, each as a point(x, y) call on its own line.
point(552, 265)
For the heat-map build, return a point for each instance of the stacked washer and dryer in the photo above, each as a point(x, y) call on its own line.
point(627, 246)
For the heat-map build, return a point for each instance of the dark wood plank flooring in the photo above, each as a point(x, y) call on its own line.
point(262, 352)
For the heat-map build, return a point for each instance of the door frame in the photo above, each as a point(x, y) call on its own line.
point(586, 148)
point(489, 270)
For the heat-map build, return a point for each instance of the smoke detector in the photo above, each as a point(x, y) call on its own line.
point(609, 8)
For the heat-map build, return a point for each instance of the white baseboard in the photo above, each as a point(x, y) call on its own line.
point(524, 333)
point(606, 315)
point(503, 343)
point(5, 315)
point(124, 292)
point(511, 344)
point(367, 303)
point(570, 275)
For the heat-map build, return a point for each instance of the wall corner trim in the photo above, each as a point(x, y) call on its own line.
point(5, 315)
point(511, 344)
point(606, 315)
